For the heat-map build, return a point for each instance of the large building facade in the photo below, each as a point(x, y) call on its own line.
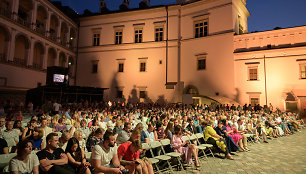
point(196, 51)
point(166, 54)
point(34, 34)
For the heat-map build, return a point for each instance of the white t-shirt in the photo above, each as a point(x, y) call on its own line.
point(20, 166)
point(56, 106)
point(99, 153)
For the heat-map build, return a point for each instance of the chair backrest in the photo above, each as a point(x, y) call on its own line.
point(165, 142)
point(5, 159)
point(193, 137)
point(185, 138)
point(145, 146)
point(199, 135)
point(155, 144)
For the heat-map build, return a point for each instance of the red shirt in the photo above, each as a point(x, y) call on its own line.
point(124, 151)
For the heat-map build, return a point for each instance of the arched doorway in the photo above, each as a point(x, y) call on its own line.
point(24, 12)
point(41, 20)
point(4, 39)
point(21, 50)
point(291, 103)
point(38, 55)
point(53, 27)
point(51, 57)
point(63, 36)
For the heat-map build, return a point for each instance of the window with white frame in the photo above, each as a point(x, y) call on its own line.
point(201, 28)
point(138, 35)
point(143, 64)
point(120, 67)
point(159, 33)
point(254, 98)
point(118, 36)
point(96, 39)
point(253, 73)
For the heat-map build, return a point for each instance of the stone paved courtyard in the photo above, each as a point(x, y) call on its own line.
point(282, 155)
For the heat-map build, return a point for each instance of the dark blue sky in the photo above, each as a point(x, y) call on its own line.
point(265, 14)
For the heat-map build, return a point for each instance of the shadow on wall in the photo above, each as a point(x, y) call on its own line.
point(237, 96)
point(133, 97)
point(113, 88)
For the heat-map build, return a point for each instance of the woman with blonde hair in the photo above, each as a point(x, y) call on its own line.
point(75, 126)
point(78, 135)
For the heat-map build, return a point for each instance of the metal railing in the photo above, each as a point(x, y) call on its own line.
point(40, 30)
point(6, 13)
point(19, 61)
point(37, 66)
point(2, 57)
point(53, 36)
point(23, 22)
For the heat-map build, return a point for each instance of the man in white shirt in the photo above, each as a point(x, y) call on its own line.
point(56, 107)
point(11, 135)
point(2, 126)
point(104, 153)
point(111, 123)
point(46, 129)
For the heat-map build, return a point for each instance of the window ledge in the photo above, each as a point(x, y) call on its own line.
point(253, 80)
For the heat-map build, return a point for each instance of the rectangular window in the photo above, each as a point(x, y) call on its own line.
point(119, 94)
point(121, 67)
point(201, 64)
point(142, 94)
point(118, 37)
point(303, 71)
point(95, 67)
point(201, 28)
point(159, 34)
point(142, 66)
point(254, 101)
point(253, 75)
point(138, 35)
point(96, 39)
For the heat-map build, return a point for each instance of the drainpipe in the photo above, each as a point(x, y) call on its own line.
point(167, 37)
point(265, 80)
point(179, 46)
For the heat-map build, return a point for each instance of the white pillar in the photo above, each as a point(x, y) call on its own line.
point(68, 37)
point(58, 33)
point(34, 16)
point(31, 52)
point(11, 48)
point(48, 23)
point(15, 7)
point(45, 57)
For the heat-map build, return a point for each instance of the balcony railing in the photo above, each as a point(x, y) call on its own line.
point(37, 66)
point(23, 22)
point(6, 13)
point(40, 30)
point(19, 61)
point(53, 37)
point(2, 57)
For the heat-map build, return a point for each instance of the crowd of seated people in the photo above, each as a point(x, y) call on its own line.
point(114, 135)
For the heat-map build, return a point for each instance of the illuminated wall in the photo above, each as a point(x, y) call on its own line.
point(284, 51)
point(183, 50)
